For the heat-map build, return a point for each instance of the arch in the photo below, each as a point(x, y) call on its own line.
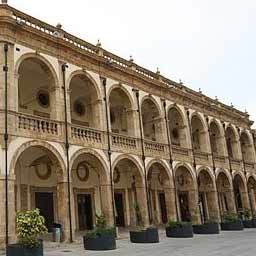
point(85, 104)
point(216, 138)
point(151, 119)
point(232, 138)
point(198, 133)
point(187, 166)
point(39, 57)
point(153, 100)
point(88, 76)
point(96, 155)
point(208, 171)
point(247, 146)
point(239, 177)
point(219, 126)
point(162, 165)
point(130, 158)
point(177, 126)
point(121, 106)
point(34, 143)
point(125, 91)
point(35, 85)
point(224, 172)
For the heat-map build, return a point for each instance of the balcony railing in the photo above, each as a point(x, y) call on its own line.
point(152, 147)
point(36, 124)
point(84, 134)
point(202, 155)
point(179, 150)
point(219, 158)
point(123, 142)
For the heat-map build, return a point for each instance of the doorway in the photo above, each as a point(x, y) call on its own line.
point(163, 209)
point(84, 203)
point(184, 206)
point(119, 210)
point(44, 202)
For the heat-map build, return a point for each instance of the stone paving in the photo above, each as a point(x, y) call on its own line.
point(240, 243)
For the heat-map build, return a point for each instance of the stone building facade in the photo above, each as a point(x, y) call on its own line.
point(91, 133)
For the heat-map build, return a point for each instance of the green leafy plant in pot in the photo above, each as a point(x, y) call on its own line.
point(102, 238)
point(248, 221)
point(231, 222)
point(29, 226)
point(179, 229)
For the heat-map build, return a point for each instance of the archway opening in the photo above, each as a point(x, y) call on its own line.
point(160, 194)
point(36, 94)
point(151, 121)
point(129, 194)
point(186, 195)
point(208, 201)
point(241, 198)
point(39, 184)
point(177, 128)
point(247, 148)
point(199, 139)
point(226, 198)
point(216, 140)
point(121, 114)
point(91, 191)
point(232, 143)
point(85, 107)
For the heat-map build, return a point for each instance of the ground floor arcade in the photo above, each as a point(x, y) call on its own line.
point(38, 179)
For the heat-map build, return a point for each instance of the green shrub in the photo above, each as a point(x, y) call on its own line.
point(230, 218)
point(101, 228)
point(30, 225)
point(247, 214)
point(174, 224)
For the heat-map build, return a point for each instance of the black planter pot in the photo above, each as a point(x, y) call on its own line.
point(232, 226)
point(150, 235)
point(181, 231)
point(19, 250)
point(102, 243)
point(249, 223)
point(206, 229)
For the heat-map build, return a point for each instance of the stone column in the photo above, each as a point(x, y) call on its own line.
point(231, 201)
point(63, 210)
point(169, 194)
point(193, 206)
point(106, 200)
point(142, 201)
point(245, 199)
point(213, 206)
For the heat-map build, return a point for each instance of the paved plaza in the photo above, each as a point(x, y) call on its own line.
point(242, 243)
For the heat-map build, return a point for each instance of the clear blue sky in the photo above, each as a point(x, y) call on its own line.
point(209, 44)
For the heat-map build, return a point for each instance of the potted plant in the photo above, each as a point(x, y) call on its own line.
point(231, 223)
point(248, 221)
point(29, 226)
point(102, 238)
point(207, 228)
point(179, 229)
point(143, 235)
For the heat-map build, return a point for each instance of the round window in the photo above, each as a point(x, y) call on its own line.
point(79, 108)
point(43, 99)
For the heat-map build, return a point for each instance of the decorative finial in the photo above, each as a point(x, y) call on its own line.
point(131, 59)
point(4, 1)
point(98, 43)
point(231, 105)
point(245, 111)
point(180, 81)
point(59, 26)
point(216, 98)
point(200, 91)
point(157, 71)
